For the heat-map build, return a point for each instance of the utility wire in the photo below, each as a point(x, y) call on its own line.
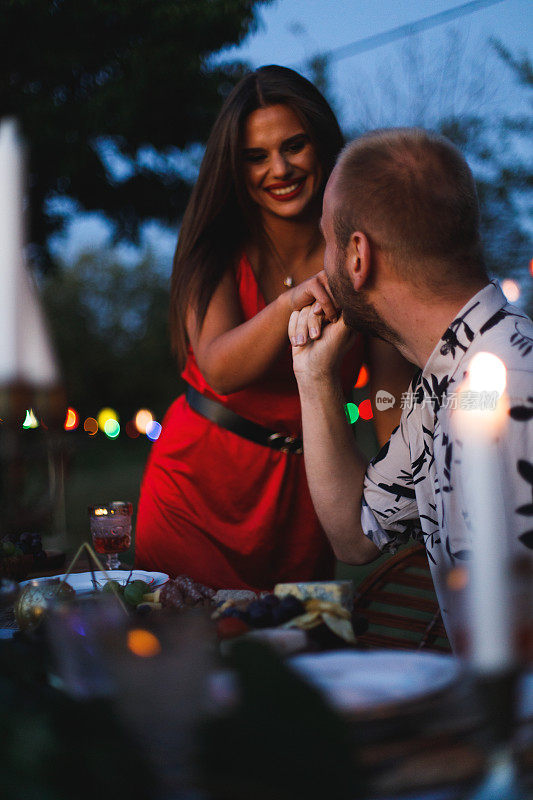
point(424, 24)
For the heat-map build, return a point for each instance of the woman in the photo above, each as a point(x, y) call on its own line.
point(224, 497)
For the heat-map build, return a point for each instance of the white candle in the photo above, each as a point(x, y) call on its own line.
point(480, 429)
point(11, 246)
point(26, 353)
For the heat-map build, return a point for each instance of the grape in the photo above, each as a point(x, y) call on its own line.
point(8, 548)
point(238, 613)
point(270, 600)
point(259, 614)
point(288, 608)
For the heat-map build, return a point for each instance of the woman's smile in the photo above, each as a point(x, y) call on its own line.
point(281, 167)
point(285, 191)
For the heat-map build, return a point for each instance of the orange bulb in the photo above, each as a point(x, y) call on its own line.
point(362, 378)
point(91, 426)
point(143, 418)
point(71, 420)
point(365, 409)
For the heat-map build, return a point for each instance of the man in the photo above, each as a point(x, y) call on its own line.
point(404, 262)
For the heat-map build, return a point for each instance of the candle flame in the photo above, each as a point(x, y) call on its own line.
point(143, 643)
point(487, 373)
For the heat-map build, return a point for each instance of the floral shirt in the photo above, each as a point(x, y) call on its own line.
point(413, 486)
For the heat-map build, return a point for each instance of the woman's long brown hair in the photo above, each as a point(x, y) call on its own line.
point(219, 215)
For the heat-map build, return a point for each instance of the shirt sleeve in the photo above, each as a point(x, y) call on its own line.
point(389, 513)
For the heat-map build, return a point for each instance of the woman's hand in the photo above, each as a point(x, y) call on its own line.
point(315, 292)
point(317, 357)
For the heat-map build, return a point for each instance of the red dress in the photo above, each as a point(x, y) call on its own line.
point(226, 511)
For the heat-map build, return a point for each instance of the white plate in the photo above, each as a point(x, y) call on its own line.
point(83, 584)
point(354, 681)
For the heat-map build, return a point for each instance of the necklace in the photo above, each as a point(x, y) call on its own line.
point(288, 280)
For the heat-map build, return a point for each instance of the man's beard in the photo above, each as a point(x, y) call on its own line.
point(357, 311)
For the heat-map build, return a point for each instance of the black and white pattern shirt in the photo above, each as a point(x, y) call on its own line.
point(413, 486)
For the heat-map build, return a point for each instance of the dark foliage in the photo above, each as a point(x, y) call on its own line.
point(85, 78)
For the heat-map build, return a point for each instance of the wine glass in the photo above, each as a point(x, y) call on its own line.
point(110, 525)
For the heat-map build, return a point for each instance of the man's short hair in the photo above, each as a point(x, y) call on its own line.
point(413, 195)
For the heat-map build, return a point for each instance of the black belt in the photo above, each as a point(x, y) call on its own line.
point(231, 421)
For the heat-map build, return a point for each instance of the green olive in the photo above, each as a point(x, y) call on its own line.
point(134, 592)
point(114, 586)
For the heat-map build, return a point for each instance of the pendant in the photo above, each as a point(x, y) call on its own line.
point(289, 282)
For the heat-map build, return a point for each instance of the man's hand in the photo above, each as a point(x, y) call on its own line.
point(317, 352)
point(315, 292)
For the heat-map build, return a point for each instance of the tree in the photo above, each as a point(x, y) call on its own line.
point(445, 92)
point(100, 84)
point(109, 323)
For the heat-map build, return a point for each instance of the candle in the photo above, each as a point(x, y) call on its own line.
point(26, 354)
point(11, 244)
point(479, 429)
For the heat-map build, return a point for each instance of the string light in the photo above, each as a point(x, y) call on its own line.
point(352, 412)
point(365, 409)
point(91, 426)
point(511, 290)
point(104, 414)
point(131, 430)
point(31, 420)
point(71, 420)
point(362, 378)
point(111, 428)
point(153, 431)
point(143, 418)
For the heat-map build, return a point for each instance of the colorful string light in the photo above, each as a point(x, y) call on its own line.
point(153, 431)
point(143, 418)
point(31, 420)
point(91, 426)
point(362, 378)
point(352, 412)
point(365, 409)
point(111, 428)
point(71, 420)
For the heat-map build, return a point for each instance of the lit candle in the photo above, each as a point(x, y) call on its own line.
point(479, 430)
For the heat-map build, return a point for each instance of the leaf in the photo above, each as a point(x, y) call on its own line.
point(525, 468)
point(382, 453)
point(527, 539)
point(469, 332)
point(521, 413)
point(463, 555)
point(525, 511)
point(497, 317)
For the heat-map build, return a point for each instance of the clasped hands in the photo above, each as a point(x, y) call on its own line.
point(318, 334)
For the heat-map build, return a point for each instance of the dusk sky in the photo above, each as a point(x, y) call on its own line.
point(291, 31)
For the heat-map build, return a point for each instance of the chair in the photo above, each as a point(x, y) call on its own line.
point(399, 602)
